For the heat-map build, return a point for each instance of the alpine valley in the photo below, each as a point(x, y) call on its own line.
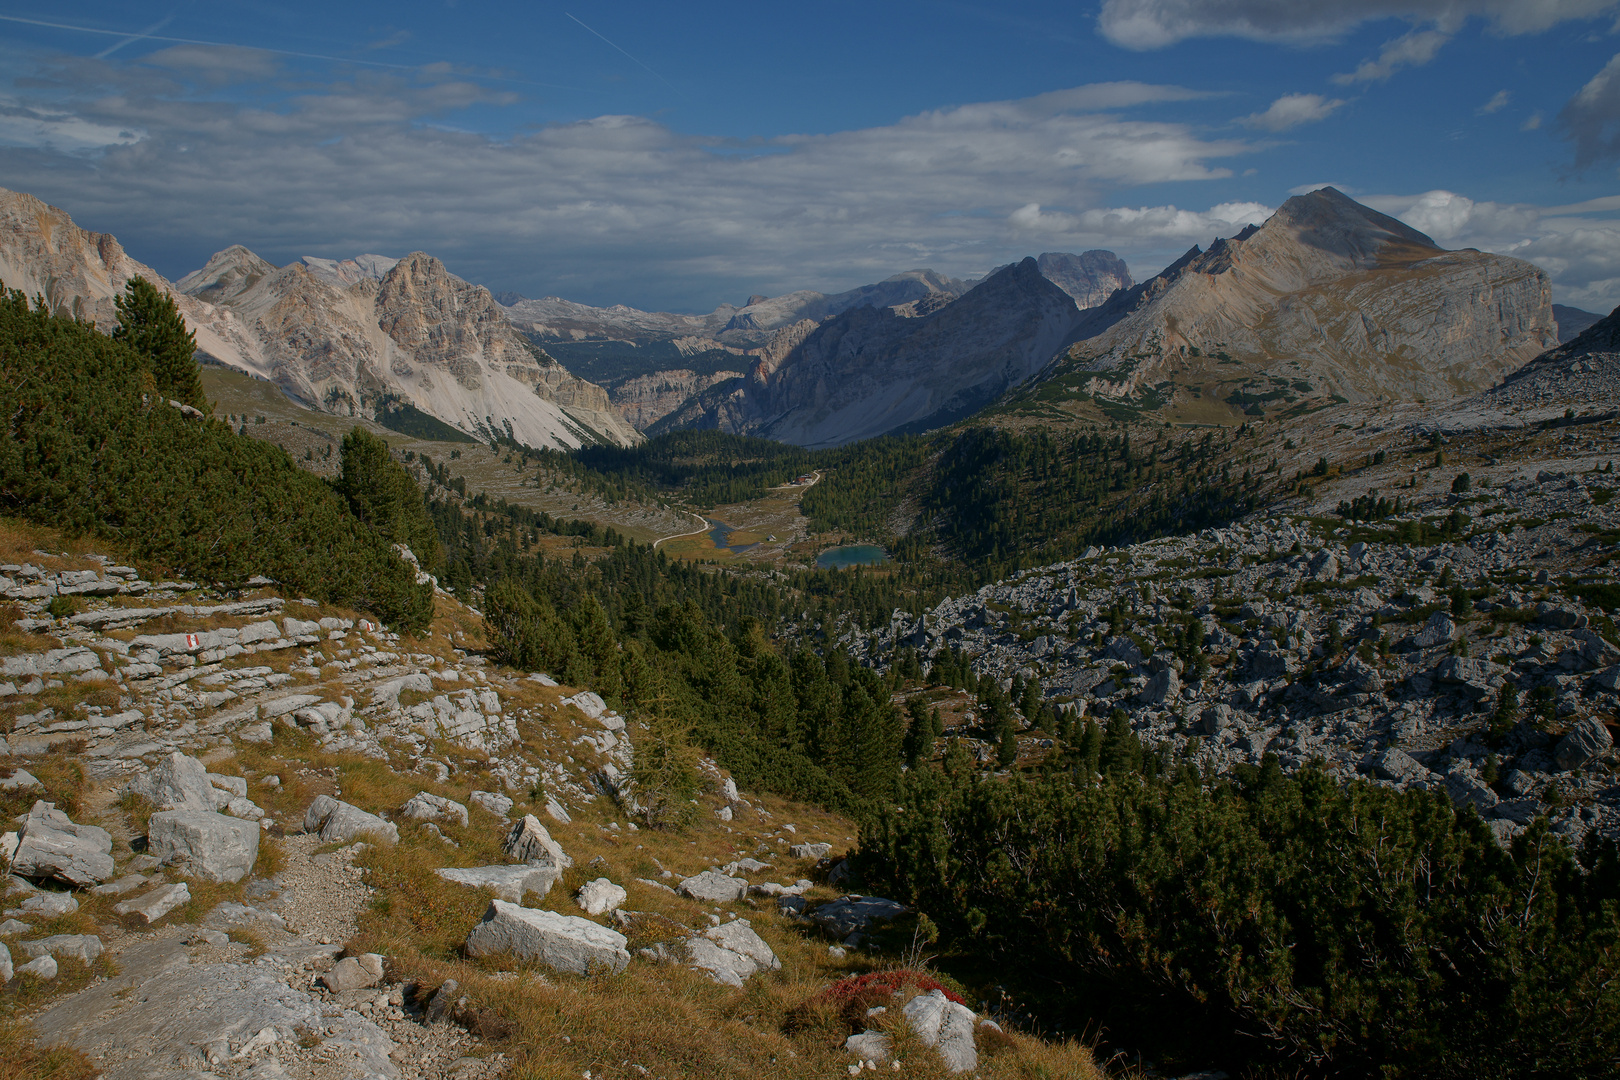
point(1050, 674)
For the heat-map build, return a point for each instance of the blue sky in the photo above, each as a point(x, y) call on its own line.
point(676, 156)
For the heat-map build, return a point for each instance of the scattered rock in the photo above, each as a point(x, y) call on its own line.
point(731, 952)
point(43, 967)
point(600, 897)
point(493, 801)
point(177, 782)
point(354, 973)
point(425, 806)
point(856, 913)
point(947, 1027)
point(84, 947)
point(873, 1046)
point(810, 851)
point(562, 942)
point(713, 886)
point(338, 821)
point(52, 846)
point(204, 844)
point(508, 882)
point(529, 842)
point(152, 906)
point(1586, 742)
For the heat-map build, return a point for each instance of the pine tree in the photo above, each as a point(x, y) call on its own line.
point(149, 323)
point(383, 494)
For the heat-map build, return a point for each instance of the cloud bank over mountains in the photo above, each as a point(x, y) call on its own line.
point(192, 147)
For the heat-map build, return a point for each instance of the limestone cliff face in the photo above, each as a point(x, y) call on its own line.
point(872, 370)
point(1345, 298)
point(647, 399)
point(340, 336)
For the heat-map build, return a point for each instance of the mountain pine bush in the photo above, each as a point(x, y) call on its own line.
point(92, 445)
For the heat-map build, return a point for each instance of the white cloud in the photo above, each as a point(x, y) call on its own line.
point(1154, 24)
point(1531, 122)
point(1591, 119)
point(1409, 50)
point(1292, 110)
point(1498, 102)
point(49, 129)
point(616, 208)
point(1579, 251)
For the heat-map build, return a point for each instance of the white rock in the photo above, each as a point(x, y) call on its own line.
point(335, 820)
point(84, 947)
point(354, 973)
point(508, 882)
point(5, 963)
point(600, 897)
point(871, 1046)
point(53, 846)
point(713, 886)
point(178, 782)
point(947, 1027)
point(203, 844)
point(43, 967)
point(562, 942)
point(730, 953)
point(47, 904)
point(425, 806)
point(493, 801)
point(529, 842)
point(21, 780)
point(810, 851)
point(152, 906)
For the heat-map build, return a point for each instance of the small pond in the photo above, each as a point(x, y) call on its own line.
point(720, 533)
point(854, 555)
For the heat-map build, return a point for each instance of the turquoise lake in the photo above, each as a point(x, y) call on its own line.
point(855, 555)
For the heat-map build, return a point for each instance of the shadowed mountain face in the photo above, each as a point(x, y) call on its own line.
point(1572, 321)
point(1331, 294)
point(344, 336)
point(871, 371)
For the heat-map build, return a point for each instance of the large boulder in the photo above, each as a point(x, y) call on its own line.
point(425, 806)
point(1399, 766)
point(528, 842)
point(714, 887)
point(178, 782)
point(1438, 630)
point(1586, 742)
point(508, 882)
point(50, 845)
point(946, 1026)
point(853, 914)
point(562, 942)
point(204, 844)
point(336, 821)
point(731, 952)
point(1471, 676)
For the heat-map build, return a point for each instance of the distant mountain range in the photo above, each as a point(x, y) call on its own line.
point(1325, 301)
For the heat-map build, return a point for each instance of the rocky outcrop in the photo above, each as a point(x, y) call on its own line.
point(561, 942)
point(871, 371)
point(1341, 300)
point(1090, 277)
point(647, 399)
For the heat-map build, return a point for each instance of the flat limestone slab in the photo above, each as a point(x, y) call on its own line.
point(509, 882)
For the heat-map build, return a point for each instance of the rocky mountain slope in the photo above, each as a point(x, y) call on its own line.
point(871, 371)
point(1326, 300)
point(1478, 663)
point(271, 840)
point(340, 336)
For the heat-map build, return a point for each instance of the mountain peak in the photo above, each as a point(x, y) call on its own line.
point(346, 272)
point(226, 274)
point(1330, 221)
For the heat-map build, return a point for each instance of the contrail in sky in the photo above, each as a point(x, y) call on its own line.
point(633, 60)
point(193, 41)
point(148, 32)
point(148, 35)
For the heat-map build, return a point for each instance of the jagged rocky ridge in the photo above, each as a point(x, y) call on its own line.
point(872, 371)
point(1266, 593)
point(340, 336)
point(1330, 293)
